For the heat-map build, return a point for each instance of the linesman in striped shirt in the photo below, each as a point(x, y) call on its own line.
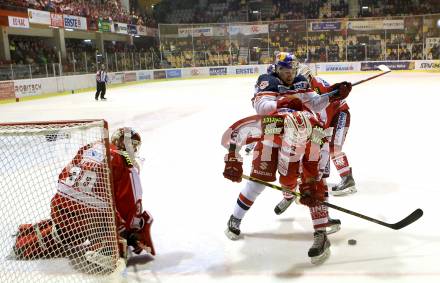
point(101, 81)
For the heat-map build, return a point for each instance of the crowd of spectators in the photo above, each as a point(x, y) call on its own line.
point(191, 11)
point(31, 50)
point(289, 35)
point(380, 8)
point(207, 51)
point(314, 9)
point(92, 9)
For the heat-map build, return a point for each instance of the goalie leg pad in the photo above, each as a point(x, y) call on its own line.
point(36, 241)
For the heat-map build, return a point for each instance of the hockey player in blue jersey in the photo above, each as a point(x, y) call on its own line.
point(276, 91)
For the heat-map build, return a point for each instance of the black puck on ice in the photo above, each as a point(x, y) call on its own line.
point(352, 242)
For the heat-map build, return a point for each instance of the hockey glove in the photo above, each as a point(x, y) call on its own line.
point(233, 167)
point(290, 101)
point(141, 239)
point(311, 194)
point(343, 88)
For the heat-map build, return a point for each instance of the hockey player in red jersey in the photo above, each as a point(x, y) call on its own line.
point(273, 93)
point(74, 229)
point(337, 116)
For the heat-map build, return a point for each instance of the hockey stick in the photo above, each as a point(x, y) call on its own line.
point(383, 68)
point(414, 216)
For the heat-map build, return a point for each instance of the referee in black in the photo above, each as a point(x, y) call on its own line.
point(101, 81)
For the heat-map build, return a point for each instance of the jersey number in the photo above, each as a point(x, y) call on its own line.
point(85, 181)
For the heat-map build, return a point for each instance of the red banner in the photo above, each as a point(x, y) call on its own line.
point(7, 90)
point(56, 20)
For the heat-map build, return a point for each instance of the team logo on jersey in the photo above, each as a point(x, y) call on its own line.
point(263, 165)
point(303, 85)
point(263, 84)
point(94, 154)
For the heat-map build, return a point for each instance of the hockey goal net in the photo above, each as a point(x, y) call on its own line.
point(57, 220)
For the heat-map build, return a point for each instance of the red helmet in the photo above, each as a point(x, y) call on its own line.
point(126, 139)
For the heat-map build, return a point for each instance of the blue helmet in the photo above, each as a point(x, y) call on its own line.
point(271, 69)
point(286, 60)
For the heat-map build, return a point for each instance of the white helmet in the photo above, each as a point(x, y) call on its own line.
point(126, 139)
point(305, 71)
point(297, 128)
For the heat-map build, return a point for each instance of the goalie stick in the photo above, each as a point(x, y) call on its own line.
point(414, 216)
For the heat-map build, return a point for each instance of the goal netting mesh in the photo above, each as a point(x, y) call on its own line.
point(57, 218)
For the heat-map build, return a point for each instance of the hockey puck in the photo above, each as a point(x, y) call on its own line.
point(352, 242)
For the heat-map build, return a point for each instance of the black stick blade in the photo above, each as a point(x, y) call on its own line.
point(414, 216)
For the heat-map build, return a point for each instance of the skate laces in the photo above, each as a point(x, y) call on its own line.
point(318, 239)
point(285, 202)
point(234, 223)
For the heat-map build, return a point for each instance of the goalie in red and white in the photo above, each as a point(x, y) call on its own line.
point(74, 227)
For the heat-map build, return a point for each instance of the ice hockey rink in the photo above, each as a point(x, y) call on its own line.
point(392, 145)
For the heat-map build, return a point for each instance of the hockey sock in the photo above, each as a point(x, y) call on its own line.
point(246, 198)
point(319, 214)
point(341, 164)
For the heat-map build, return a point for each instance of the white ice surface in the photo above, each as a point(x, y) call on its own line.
point(392, 146)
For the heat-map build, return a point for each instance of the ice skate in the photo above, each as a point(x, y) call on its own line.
point(283, 205)
point(333, 226)
point(233, 230)
point(98, 258)
point(320, 249)
point(345, 187)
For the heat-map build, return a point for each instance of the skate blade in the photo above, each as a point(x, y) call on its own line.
point(231, 236)
point(279, 211)
point(332, 229)
point(100, 260)
point(347, 191)
point(321, 258)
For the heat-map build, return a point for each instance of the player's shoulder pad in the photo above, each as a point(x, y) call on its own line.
point(125, 157)
point(267, 82)
point(271, 69)
point(322, 81)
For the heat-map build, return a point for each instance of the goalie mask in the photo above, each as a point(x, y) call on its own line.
point(127, 139)
point(306, 72)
